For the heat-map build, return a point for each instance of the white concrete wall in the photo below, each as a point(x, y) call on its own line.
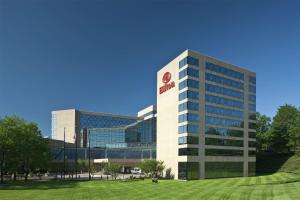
point(65, 120)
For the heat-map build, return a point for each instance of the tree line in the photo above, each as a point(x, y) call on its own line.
point(280, 134)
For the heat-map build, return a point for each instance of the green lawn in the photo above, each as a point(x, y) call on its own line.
point(278, 186)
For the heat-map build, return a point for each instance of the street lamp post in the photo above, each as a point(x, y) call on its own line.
point(89, 154)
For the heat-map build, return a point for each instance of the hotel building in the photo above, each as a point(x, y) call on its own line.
point(206, 117)
point(203, 124)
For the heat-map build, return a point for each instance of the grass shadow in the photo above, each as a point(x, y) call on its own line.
point(39, 185)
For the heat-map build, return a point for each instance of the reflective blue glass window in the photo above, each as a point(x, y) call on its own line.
point(224, 71)
point(189, 94)
point(189, 128)
point(188, 140)
point(252, 98)
point(224, 91)
point(188, 106)
point(223, 111)
point(252, 80)
point(224, 101)
point(252, 89)
point(189, 83)
point(223, 131)
point(252, 107)
point(189, 60)
point(188, 117)
point(224, 81)
point(224, 122)
point(103, 121)
point(189, 72)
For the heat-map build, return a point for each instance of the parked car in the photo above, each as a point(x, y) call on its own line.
point(136, 170)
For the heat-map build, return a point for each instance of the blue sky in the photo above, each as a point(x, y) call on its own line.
point(104, 55)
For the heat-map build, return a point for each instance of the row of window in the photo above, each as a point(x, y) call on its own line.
point(189, 83)
point(191, 117)
point(252, 89)
point(224, 122)
point(224, 71)
point(224, 91)
point(223, 152)
point(223, 111)
point(252, 79)
point(223, 169)
point(189, 60)
point(188, 151)
point(224, 101)
point(252, 98)
point(214, 152)
point(188, 140)
point(189, 72)
point(224, 81)
point(223, 132)
point(224, 142)
point(188, 106)
point(188, 128)
point(188, 94)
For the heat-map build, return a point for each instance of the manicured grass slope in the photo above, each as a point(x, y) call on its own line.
point(278, 186)
point(292, 165)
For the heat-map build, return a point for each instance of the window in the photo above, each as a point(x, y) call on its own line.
point(223, 111)
point(223, 152)
point(252, 153)
point(224, 142)
point(189, 83)
point(223, 131)
point(223, 169)
point(252, 116)
point(252, 98)
point(188, 106)
point(225, 71)
point(188, 170)
point(224, 91)
point(188, 140)
point(251, 144)
point(189, 128)
point(251, 134)
point(224, 81)
point(188, 117)
point(189, 60)
point(223, 121)
point(252, 89)
point(252, 125)
point(251, 107)
point(224, 101)
point(252, 80)
point(251, 168)
point(189, 94)
point(189, 72)
point(188, 152)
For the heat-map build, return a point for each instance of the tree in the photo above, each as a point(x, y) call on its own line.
point(284, 119)
point(22, 147)
point(152, 168)
point(263, 127)
point(113, 169)
point(294, 133)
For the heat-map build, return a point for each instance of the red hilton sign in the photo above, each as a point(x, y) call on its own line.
point(166, 79)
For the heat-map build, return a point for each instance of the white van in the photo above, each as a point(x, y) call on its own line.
point(136, 170)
